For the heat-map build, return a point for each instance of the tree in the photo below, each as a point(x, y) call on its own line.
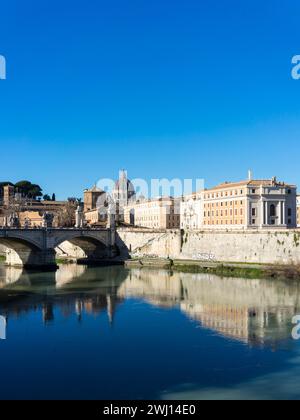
point(74, 200)
point(3, 184)
point(27, 189)
point(66, 215)
point(53, 197)
point(47, 197)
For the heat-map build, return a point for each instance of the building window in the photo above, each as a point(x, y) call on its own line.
point(253, 222)
point(272, 210)
point(253, 212)
point(289, 221)
point(289, 212)
point(253, 191)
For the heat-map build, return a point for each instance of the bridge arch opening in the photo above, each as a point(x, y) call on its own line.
point(20, 252)
point(82, 249)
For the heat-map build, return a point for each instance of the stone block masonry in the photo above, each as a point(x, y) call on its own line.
point(280, 247)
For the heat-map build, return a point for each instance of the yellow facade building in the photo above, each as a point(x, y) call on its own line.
point(250, 204)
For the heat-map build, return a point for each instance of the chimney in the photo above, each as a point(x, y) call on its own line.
point(250, 175)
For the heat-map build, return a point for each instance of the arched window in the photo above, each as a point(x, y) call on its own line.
point(272, 210)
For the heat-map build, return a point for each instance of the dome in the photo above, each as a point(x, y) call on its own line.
point(124, 183)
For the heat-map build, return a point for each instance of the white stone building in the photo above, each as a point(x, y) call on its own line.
point(123, 194)
point(191, 212)
point(158, 213)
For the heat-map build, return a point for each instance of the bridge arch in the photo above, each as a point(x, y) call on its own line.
point(20, 251)
point(80, 246)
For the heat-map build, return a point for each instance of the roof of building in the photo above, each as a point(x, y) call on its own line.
point(94, 189)
point(53, 203)
point(254, 182)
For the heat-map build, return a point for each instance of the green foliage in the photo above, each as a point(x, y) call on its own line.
point(4, 184)
point(296, 239)
point(63, 261)
point(220, 270)
point(27, 189)
point(46, 197)
point(74, 200)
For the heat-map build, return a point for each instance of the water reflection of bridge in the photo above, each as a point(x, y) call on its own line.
point(71, 290)
point(252, 311)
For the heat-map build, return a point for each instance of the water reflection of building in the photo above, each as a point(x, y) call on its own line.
point(252, 311)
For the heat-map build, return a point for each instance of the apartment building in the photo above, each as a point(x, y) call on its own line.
point(159, 213)
point(250, 204)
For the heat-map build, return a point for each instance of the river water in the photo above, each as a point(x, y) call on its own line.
point(112, 333)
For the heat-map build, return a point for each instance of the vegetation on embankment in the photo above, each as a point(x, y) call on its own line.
point(2, 258)
point(240, 270)
point(220, 270)
point(61, 261)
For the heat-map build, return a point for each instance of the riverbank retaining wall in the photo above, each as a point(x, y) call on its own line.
point(2, 251)
point(259, 246)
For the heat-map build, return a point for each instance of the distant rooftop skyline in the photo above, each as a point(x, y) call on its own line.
point(165, 89)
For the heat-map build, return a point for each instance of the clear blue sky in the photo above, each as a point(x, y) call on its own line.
point(191, 89)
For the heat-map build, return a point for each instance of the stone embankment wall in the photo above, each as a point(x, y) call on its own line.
point(259, 246)
point(2, 250)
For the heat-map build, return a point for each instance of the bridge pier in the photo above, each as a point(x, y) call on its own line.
point(44, 260)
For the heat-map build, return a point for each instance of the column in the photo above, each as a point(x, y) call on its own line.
point(283, 213)
point(280, 213)
point(266, 214)
point(262, 213)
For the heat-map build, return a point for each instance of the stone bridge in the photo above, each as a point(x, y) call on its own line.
point(33, 248)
